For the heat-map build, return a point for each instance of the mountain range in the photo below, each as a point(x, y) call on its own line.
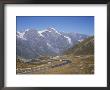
point(34, 43)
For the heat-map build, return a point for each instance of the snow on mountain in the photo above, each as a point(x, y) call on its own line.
point(69, 39)
point(55, 30)
point(40, 33)
point(49, 45)
point(46, 42)
point(21, 35)
point(80, 40)
point(27, 30)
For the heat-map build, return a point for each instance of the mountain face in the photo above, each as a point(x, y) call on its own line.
point(85, 47)
point(33, 43)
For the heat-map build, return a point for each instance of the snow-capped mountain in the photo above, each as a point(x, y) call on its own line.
point(34, 43)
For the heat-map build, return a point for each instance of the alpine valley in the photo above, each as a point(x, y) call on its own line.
point(52, 52)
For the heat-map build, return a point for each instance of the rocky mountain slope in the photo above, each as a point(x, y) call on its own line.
point(34, 43)
point(85, 47)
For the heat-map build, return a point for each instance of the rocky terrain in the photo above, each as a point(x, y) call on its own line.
point(34, 43)
point(78, 59)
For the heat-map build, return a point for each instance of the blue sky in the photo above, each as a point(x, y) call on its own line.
point(80, 24)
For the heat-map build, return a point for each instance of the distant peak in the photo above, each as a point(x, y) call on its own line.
point(51, 29)
point(30, 30)
point(27, 29)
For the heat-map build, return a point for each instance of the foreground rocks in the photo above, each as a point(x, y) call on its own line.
point(57, 65)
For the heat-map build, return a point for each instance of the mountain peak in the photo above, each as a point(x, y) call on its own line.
point(26, 30)
point(51, 29)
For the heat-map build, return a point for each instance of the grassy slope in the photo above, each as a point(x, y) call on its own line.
point(86, 47)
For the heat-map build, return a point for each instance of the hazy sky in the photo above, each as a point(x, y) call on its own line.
point(80, 24)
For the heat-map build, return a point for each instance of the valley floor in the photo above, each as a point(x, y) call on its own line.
point(83, 64)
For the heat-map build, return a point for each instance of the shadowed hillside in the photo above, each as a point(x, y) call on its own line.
point(85, 47)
